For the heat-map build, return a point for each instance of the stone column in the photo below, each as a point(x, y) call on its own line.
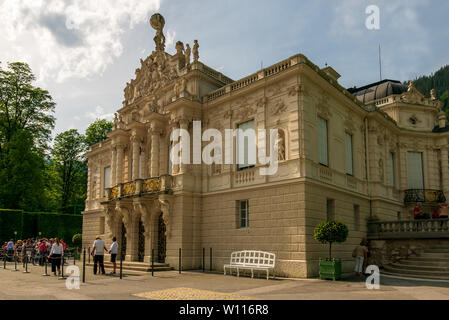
point(135, 157)
point(119, 178)
point(183, 124)
point(155, 135)
point(142, 165)
point(114, 167)
point(131, 221)
point(445, 169)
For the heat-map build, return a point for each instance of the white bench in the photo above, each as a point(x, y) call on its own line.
point(251, 260)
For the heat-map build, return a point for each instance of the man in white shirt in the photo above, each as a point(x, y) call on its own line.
point(98, 250)
point(113, 250)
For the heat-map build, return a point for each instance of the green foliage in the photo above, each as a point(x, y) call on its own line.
point(68, 170)
point(438, 81)
point(77, 240)
point(331, 232)
point(21, 173)
point(23, 106)
point(29, 224)
point(97, 131)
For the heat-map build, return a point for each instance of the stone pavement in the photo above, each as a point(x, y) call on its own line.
point(198, 285)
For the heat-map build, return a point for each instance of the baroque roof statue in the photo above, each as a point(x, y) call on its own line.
point(157, 22)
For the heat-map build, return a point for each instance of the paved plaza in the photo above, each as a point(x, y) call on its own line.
point(197, 285)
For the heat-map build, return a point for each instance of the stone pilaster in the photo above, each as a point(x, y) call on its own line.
point(445, 170)
point(155, 137)
point(114, 167)
point(183, 124)
point(120, 150)
point(135, 157)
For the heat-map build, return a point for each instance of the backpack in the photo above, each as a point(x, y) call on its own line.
point(354, 252)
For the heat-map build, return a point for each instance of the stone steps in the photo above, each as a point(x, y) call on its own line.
point(437, 250)
point(433, 264)
point(420, 267)
point(400, 271)
point(424, 262)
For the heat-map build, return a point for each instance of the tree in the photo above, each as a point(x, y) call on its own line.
point(68, 163)
point(23, 106)
point(97, 131)
point(330, 232)
point(21, 173)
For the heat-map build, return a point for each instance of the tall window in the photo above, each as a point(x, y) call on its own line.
point(349, 157)
point(415, 171)
point(246, 146)
point(392, 170)
point(242, 214)
point(322, 142)
point(330, 210)
point(356, 217)
point(107, 179)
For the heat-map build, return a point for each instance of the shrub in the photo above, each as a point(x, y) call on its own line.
point(330, 232)
point(77, 240)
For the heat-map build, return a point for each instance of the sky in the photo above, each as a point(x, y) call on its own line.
point(85, 51)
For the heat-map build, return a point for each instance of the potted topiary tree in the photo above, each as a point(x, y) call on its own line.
point(330, 232)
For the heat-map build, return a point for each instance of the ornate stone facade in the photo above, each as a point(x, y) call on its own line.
point(195, 206)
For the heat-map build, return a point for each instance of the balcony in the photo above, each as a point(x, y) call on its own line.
point(429, 196)
point(140, 187)
point(409, 229)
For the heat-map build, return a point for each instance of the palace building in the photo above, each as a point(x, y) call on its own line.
point(352, 155)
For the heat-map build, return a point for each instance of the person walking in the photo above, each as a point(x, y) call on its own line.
point(10, 249)
point(98, 250)
point(113, 250)
point(42, 252)
point(360, 254)
point(56, 252)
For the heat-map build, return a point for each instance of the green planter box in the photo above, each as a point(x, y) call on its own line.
point(330, 269)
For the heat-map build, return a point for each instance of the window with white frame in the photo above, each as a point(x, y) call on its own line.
point(415, 170)
point(349, 155)
point(322, 142)
point(107, 179)
point(246, 145)
point(243, 214)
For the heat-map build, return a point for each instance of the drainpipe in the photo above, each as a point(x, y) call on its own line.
point(365, 120)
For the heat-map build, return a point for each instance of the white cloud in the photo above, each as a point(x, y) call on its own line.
point(99, 113)
point(64, 39)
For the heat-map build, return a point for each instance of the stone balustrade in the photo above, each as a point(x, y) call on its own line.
point(139, 187)
point(409, 229)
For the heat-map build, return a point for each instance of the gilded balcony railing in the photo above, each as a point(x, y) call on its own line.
point(409, 229)
point(139, 187)
point(424, 195)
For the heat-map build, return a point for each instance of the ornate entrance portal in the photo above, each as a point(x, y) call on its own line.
point(161, 240)
point(141, 244)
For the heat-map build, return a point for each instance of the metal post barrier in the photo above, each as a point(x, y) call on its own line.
point(210, 260)
point(84, 265)
point(121, 265)
point(45, 267)
point(62, 268)
point(152, 262)
point(26, 265)
point(15, 262)
point(4, 260)
point(180, 261)
point(204, 254)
